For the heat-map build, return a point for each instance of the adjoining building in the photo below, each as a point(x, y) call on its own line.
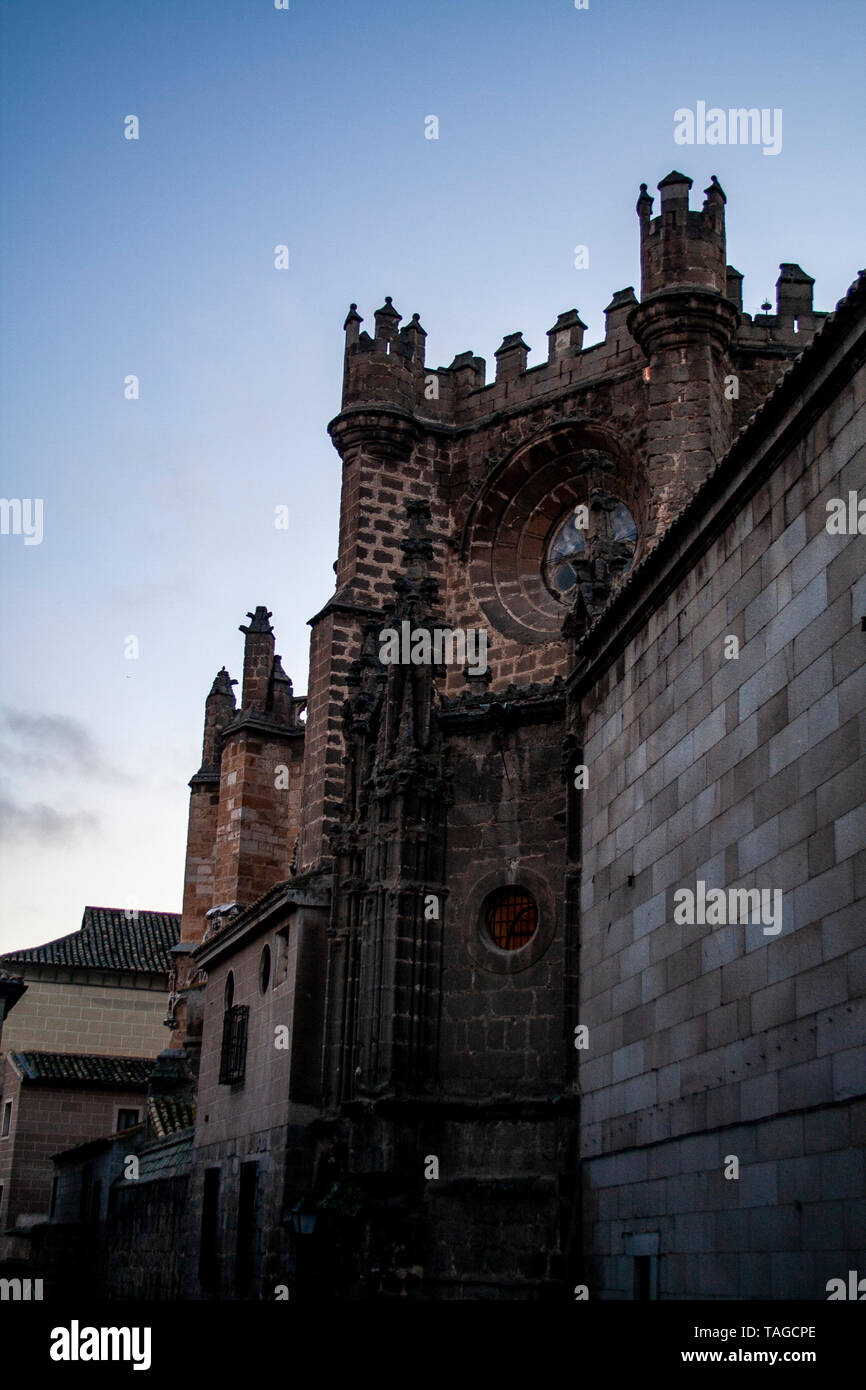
point(77, 1052)
point(100, 989)
point(50, 1098)
point(99, 1241)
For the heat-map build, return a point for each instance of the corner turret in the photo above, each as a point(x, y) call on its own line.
point(680, 247)
point(387, 368)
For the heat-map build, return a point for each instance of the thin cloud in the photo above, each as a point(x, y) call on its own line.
point(53, 741)
point(36, 822)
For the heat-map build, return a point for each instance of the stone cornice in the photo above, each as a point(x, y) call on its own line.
point(91, 976)
point(253, 721)
point(383, 430)
point(280, 902)
point(444, 1107)
point(669, 318)
point(205, 777)
point(337, 604)
point(509, 708)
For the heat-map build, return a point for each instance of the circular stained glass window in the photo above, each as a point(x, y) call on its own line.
point(568, 544)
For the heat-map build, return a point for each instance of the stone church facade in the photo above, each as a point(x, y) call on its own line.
point(452, 1028)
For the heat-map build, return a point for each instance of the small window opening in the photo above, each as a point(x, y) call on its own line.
point(281, 968)
point(512, 918)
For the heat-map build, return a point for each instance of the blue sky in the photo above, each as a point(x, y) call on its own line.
point(155, 257)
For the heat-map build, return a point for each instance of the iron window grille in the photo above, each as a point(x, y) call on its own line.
point(233, 1054)
point(512, 918)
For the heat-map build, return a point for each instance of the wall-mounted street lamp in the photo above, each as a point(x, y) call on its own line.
point(304, 1216)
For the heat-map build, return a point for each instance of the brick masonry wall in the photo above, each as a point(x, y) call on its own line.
point(262, 1102)
point(200, 868)
point(11, 1091)
point(334, 643)
point(269, 1239)
point(148, 1241)
point(707, 1041)
point(379, 477)
point(253, 832)
point(506, 512)
point(503, 1031)
point(84, 1016)
point(487, 1226)
point(46, 1120)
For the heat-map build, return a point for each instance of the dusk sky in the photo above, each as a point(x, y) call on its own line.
point(155, 257)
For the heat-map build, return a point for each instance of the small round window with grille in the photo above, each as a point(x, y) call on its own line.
point(511, 918)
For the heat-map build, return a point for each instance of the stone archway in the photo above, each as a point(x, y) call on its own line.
point(519, 509)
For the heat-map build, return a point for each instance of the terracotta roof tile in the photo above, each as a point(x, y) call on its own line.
point(109, 941)
point(169, 1114)
point(127, 1073)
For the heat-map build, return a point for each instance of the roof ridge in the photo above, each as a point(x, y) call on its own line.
point(109, 939)
point(83, 1067)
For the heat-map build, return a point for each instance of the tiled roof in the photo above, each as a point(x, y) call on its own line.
point(169, 1158)
point(109, 941)
point(168, 1114)
point(127, 1073)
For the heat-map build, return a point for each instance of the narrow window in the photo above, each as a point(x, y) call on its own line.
point(233, 1053)
point(281, 965)
point(7, 1120)
point(264, 969)
point(126, 1119)
point(52, 1205)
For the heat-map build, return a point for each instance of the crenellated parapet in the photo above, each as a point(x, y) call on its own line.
point(681, 247)
point(388, 371)
point(499, 447)
point(387, 368)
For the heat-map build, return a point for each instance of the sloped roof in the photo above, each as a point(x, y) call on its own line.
point(168, 1115)
point(169, 1158)
point(126, 1073)
point(108, 940)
